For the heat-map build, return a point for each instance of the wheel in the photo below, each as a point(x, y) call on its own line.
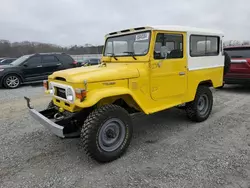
point(227, 63)
point(106, 133)
point(200, 109)
point(12, 81)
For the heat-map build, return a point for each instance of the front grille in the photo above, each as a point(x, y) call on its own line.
point(60, 92)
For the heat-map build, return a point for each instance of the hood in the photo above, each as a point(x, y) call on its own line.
point(5, 66)
point(96, 73)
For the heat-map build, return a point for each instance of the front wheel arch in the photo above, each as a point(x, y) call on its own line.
point(9, 74)
point(125, 101)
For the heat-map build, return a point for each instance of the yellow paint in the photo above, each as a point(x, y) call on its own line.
point(141, 83)
point(61, 110)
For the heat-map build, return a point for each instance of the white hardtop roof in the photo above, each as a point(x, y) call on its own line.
point(189, 30)
point(186, 29)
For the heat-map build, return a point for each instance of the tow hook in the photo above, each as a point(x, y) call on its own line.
point(59, 116)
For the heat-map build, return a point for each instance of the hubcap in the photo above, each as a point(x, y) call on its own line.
point(111, 134)
point(203, 104)
point(12, 81)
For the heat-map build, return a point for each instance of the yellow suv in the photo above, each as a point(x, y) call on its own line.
point(144, 69)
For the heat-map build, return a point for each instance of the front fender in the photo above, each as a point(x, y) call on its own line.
point(93, 97)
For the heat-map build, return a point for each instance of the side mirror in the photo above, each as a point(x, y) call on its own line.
point(25, 65)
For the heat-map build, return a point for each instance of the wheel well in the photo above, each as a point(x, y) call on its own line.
point(207, 83)
point(21, 78)
point(125, 101)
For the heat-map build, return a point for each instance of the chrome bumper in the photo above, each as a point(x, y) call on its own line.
point(49, 124)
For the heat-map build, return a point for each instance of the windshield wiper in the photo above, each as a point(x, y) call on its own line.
point(131, 53)
point(112, 55)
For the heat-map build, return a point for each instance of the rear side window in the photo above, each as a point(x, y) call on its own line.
point(204, 45)
point(238, 52)
point(49, 59)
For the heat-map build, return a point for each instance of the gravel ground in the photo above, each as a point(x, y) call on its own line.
point(167, 149)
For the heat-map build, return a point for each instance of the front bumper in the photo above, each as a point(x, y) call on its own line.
point(46, 118)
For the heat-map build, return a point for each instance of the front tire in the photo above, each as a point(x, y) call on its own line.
point(106, 133)
point(200, 109)
point(11, 81)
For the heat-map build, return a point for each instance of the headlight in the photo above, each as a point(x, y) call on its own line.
point(1, 70)
point(69, 95)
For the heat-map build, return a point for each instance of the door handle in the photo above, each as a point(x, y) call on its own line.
point(59, 64)
point(39, 66)
point(181, 73)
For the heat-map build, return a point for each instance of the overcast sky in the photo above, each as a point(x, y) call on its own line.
point(68, 22)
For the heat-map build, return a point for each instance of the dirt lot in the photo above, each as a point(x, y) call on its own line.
point(167, 149)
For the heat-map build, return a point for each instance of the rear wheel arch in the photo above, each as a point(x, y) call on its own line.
point(207, 83)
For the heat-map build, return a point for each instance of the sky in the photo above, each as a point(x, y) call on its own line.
point(70, 22)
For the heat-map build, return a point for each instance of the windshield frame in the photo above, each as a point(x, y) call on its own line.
point(127, 54)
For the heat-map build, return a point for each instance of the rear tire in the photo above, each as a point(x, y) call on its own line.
point(200, 109)
point(106, 133)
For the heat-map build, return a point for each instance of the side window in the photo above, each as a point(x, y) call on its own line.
point(204, 46)
point(168, 46)
point(8, 61)
point(49, 59)
point(34, 61)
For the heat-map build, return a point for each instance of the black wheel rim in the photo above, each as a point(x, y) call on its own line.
point(12, 81)
point(111, 135)
point(203, 105)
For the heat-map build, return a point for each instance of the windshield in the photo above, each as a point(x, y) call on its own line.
point(238, 52)
point(127, 45)
point(20, 60)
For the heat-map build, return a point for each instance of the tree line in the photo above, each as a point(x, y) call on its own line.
point(18, 49)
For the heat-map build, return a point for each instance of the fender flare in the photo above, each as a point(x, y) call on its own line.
point(93, 97)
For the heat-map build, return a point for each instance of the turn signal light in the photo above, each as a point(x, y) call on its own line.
point(81, 94)
point(45, 84)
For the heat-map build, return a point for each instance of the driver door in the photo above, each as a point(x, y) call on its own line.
point(33, 69)
point(169, 67)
